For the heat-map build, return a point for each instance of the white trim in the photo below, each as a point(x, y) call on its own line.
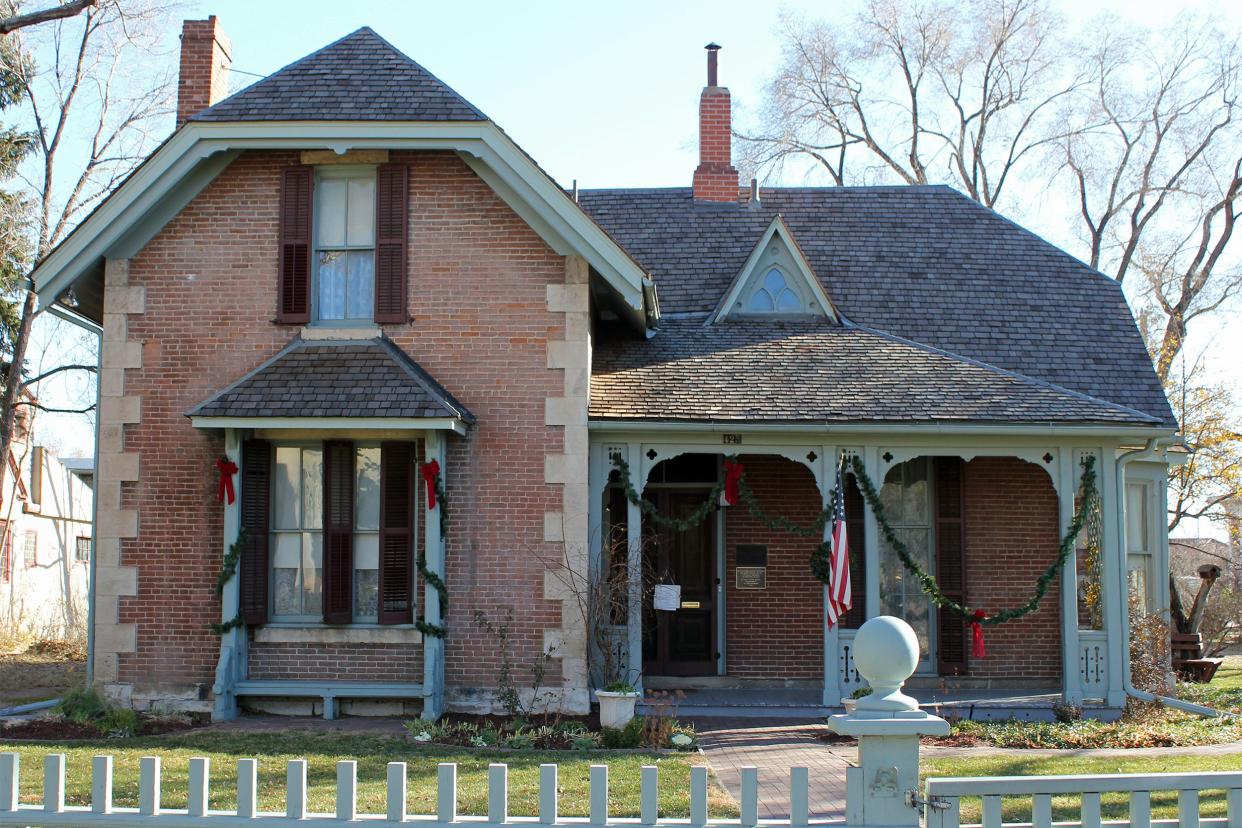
point(349, 423)
point(561, 222)
point(802, 268)
point(1032, 430)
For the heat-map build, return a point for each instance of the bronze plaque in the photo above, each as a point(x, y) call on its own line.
point(751, 577)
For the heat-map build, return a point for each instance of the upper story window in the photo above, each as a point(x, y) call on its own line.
point(345, 244)
point(774, 295)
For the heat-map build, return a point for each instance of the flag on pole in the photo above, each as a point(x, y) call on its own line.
point(840, 594)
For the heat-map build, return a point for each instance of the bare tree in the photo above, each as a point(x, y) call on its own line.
point(1210, 479)
point(11, 22)
point(95, 91)
point(923, 92)
point(1157, 168)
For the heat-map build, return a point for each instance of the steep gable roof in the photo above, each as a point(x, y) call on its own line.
point(924, 263)
point(360, 77)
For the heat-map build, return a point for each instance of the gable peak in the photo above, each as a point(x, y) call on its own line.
point(776, 281)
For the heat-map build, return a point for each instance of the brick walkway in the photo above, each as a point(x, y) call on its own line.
point(774, 747)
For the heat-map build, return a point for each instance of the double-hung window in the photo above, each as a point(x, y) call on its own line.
point(1140, 535)
point(325, 528)
point(345, 244)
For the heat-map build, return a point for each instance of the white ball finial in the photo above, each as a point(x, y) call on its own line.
point(886, 653)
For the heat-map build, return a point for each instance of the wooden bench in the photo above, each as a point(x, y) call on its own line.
point(1188, 660)
point(329, 691)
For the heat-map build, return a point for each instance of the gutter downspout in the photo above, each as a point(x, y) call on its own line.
point(90, 583)
point(1147, 452)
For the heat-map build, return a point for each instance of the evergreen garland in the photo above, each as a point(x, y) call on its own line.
point(432, 579)
point(228, 568)
point(928, 582)
point(821, 557)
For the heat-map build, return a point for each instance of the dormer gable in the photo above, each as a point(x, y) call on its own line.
point(776, 282)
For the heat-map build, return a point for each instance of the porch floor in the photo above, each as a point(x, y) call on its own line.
point(805, 703)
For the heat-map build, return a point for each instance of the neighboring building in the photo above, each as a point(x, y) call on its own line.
point(347, 271)
point(45, 540)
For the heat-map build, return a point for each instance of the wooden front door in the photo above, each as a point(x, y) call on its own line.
point(681, 642)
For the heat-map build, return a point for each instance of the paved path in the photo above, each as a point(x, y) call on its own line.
point(774, 746)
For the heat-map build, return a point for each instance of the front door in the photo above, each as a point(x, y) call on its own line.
point(681, 642)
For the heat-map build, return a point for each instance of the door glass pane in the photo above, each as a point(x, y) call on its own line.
point(367, 500)
point(906, 495)
point(360, 231)
point(330, 199)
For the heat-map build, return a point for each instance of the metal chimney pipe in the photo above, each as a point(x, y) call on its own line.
point(712, 49)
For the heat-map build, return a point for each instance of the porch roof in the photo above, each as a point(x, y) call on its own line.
point(800, 372)
point(342, 379)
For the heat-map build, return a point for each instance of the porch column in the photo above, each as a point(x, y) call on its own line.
point(433, 613)
point(828, 460)
point(1067, 487)
point(231, 665)
point(634, 570)
point(1112, 577)
point(871, 547)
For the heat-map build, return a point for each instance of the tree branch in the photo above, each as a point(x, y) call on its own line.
point(21, 21)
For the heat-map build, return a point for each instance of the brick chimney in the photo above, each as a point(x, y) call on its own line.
point(715, 179)
point(206, 55)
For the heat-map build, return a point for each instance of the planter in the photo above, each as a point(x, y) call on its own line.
point(849, 704)
point(615, 709)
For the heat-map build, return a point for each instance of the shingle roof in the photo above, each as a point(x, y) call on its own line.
point(373, 378)
point(360, 77)
point(816, 371)
point(924, 263)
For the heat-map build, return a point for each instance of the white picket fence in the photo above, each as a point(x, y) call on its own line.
point(54, 813)
point(944, 798)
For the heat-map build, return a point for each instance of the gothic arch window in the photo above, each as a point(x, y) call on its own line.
point(773, 294)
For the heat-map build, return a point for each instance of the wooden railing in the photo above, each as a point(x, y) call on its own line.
point(943, 799)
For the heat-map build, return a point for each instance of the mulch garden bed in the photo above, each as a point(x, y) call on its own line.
point(58, 729)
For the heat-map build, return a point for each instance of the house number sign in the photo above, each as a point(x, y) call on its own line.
point(731, 439)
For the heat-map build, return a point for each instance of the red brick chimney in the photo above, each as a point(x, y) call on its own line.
point(206, 55)
point(715, 179)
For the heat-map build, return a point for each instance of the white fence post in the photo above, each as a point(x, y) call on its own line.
point(199, 792)
point(799, 795)
point(397, 784)
point(54, 783)
point(599, 795)
point(750, 797)
point(497, 793)
point(101, 784)
point(698, 795)
point(10, 773)
point(247, 788)
point(149, 786)
point(295, 789)
point(1234, 805)
point(1188, 808)
point(649, 795)
point(547, 794)
point(446, 792)
point(347, 790)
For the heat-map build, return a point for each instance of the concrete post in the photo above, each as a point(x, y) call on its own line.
point(882, 790)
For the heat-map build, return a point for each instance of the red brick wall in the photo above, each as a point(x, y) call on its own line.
point(775, 633)
point(1012, 537)
point(478, 278)
point(337, 662)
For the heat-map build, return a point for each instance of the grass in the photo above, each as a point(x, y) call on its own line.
point(31, 676)
point(1113, 806)
point(1225, 690)
point(372, 753)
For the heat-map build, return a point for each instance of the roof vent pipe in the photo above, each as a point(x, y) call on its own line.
point(754, 192)
point(712, 49)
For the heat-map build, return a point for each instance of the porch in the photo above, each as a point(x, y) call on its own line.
point(749, 636)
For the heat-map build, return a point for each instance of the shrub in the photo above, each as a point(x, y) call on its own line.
point(629, 736)
point(87, 706)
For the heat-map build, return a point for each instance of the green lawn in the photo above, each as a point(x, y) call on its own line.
point(1225, 690)
point(322, 751)
point(1114, 806)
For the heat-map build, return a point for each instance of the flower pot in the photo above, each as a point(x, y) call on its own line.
point(615, 709)
point(849, 704)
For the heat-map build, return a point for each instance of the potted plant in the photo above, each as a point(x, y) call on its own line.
point(851, 703)
point(616, 704)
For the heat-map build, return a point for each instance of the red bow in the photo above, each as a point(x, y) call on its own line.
point(431, 470)
point(977, 649)
point(225, 489)
point(733, 477)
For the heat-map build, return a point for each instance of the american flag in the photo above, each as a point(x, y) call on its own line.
point(840, 595)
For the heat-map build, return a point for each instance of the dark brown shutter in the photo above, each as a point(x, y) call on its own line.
point(338, 532)
point(396, 538)
point(296, 190)
point(856, 527)
point(391, 229)
point(950, 562)
point(255, 502)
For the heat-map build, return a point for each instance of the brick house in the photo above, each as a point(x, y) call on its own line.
point(346, 272)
